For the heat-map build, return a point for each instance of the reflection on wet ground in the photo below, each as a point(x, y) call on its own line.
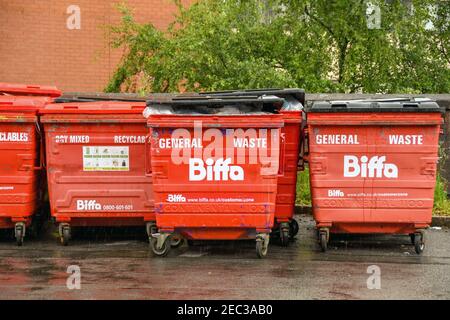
point(117, 264)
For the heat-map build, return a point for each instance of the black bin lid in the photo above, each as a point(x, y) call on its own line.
point(298, 94)
point(214, 101)
point(376, 105)
point(93, 98)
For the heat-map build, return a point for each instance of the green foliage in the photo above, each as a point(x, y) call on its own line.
point(139, 43)
point(319, 45)
point(441, 201)
point(303, 189)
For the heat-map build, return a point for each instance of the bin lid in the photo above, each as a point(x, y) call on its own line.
point(99, 107)
point(183, 104)
point(29, 90)
point(298, 94)
point(376, 105)
point(213, 101)
point(94, 98)
point(27, 104)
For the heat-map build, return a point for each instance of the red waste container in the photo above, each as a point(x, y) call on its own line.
point(29, 90)
point(292, 134)
point(373, 166)
point(292, 110)
point(21, 166)
point(215, 175)
point(98, 172)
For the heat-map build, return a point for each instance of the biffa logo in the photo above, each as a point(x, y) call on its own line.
point(373, 168)
point(88, 205)
point(221, 170)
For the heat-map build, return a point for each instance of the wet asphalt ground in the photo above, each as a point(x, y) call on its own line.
point(117, 264)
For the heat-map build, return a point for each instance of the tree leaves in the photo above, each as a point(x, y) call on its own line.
point(320, 45)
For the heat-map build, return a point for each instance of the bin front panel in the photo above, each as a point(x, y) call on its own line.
point(375, 172)
point(97, 169)
point(19, 181)
point(215, 172)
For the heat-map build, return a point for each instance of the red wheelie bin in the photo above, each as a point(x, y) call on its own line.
point(28, 90)
point(373, 166)
point(98, 172)
point(22, 178)
point(286, 227)
point(215, 169)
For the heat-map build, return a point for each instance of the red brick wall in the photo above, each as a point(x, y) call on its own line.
point(36, 47)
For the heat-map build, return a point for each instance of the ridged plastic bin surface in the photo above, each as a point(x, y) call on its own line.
point(287, 180)
point(98, 172)
point(19, 89)
point(214, 209)
point(21, 173)
point(373, 172)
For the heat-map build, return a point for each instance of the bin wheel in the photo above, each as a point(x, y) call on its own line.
point(284, 235)
point(293, 228)
point(160, 252)
point(323, 241)
point(65, 235)
point(419, 242)
point(151, 228)
point(412, 236)
point(262, 245)
point(176, 241)
point(19, 233)
point(33, 230)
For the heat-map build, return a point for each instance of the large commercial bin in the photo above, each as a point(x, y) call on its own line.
point(286, 226)
point(215, 169)
point(21, 166)
point(28, 90)
point(98, 172)
point(373, 166)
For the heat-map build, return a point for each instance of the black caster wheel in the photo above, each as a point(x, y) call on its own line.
point(151, 228)
point(65, 236)
point(35, 228)
point(419, 242)
point(293, 228)
point(176, 241)
point(323, 241)
point(19, 234)
point(284, 237)
point(412, 236)
point(262, 246)
point(160, 252)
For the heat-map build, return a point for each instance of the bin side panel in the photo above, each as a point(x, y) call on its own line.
point(287, 180)
point(19, 181)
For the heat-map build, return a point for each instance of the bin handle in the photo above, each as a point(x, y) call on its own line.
point(147, 158)
point(41, 149)
point(282, 153)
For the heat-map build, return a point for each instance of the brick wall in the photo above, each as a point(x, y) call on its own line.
point(36, 46)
